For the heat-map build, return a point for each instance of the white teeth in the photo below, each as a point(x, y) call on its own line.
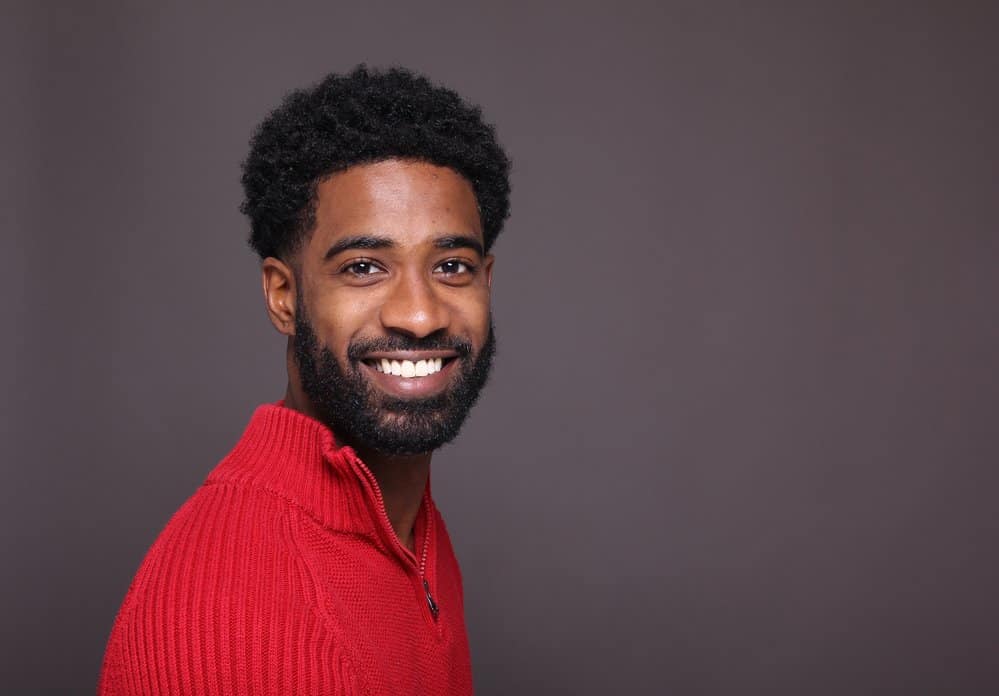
point(408, 368)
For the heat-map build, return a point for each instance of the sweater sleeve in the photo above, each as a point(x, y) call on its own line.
point(224, 604)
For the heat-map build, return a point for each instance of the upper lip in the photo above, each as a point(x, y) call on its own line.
point(411, 355)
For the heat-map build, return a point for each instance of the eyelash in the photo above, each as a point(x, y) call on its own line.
point(349, 268)
point(469, 267)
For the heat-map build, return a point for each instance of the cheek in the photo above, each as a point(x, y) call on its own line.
point(475, 313)
point(339, 320)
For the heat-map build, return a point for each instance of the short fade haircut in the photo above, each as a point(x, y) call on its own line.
point(362, 117)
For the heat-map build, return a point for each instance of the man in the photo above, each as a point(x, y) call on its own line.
point(313, 559)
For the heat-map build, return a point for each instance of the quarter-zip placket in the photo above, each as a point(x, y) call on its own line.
point(421, 565)
point(427, 524)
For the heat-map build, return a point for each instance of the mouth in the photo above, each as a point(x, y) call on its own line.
point(411, 374)
point(408, 369)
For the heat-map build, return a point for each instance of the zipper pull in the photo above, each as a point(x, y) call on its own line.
point(434, 609)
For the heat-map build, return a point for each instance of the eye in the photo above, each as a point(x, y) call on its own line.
point(453, 267)
point(362, 268)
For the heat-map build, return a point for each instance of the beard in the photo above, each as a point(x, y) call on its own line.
point(360, 415)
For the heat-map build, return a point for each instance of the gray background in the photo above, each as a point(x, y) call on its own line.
point(742, 434)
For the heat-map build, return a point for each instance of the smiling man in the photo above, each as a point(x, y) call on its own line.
point(313, 559)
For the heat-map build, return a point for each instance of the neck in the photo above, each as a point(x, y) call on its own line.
point(401, 479)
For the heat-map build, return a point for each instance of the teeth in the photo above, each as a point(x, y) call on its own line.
point(408, 368)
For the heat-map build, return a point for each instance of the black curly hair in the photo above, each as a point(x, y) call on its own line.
point(361, 117)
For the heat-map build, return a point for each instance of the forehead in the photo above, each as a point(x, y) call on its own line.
point(408, 201)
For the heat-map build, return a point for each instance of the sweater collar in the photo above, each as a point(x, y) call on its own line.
point(296, 457)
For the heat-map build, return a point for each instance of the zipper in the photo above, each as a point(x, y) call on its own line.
point(434, 609)
point(427, 522)
point(387, 524)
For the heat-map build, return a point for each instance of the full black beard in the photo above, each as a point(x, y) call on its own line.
point(359, 415)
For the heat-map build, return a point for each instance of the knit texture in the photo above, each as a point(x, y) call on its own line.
point(283, 575)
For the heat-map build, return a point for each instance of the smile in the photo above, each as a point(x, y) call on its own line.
point(411, 374)
point(408, 368)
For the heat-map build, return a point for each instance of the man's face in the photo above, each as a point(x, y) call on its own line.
point(393, 339)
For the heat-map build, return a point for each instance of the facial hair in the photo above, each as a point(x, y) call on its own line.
point(360, 415)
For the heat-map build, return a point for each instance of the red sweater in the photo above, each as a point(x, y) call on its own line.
point(282, 575)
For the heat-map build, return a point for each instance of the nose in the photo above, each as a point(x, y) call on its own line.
point(414, 308)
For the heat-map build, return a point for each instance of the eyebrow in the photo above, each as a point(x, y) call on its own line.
point(358, 242)
point(458, 241)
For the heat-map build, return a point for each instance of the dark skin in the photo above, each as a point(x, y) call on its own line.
point(396, 249)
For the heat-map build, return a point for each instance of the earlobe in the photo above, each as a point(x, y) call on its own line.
point(278, 282)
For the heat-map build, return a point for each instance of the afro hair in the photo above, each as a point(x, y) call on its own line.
point(362, 117)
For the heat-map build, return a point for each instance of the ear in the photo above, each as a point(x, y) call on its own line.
point(279, 294)
point(487, 264)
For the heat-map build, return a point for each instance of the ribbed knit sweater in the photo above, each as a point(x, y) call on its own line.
point(282, 575)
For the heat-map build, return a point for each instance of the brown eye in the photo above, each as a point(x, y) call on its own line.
point(362, 268)
point(455, 267)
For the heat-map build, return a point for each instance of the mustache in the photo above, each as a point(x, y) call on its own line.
point(435, 341)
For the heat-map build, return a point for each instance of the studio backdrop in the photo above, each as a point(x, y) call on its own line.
point(741, 436)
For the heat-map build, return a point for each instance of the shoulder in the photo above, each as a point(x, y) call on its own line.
point(222, 597)
point(222, 530)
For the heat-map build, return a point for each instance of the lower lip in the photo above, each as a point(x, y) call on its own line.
point(411, 387)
